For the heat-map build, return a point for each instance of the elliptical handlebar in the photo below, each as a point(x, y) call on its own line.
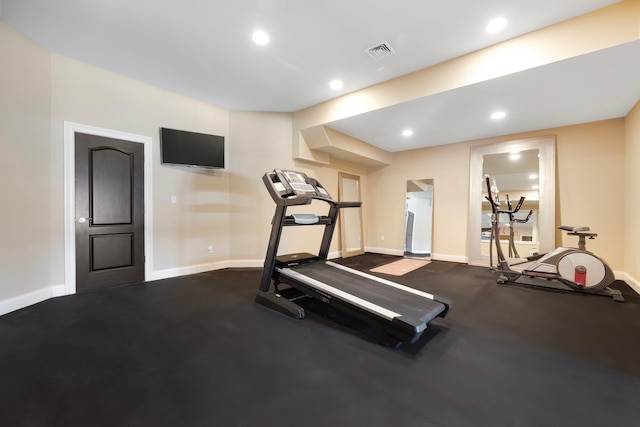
point(493, 198)
point(517, 208)
point(492, 195)
point(525, 219)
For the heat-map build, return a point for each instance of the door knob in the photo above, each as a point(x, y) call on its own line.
point(83, 220)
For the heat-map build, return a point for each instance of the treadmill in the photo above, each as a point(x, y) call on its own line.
point(400, 313)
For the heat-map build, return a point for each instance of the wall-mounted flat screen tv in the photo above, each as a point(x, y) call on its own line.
point(179, 147)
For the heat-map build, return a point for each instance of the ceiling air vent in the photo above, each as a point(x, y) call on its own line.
point(380, 50)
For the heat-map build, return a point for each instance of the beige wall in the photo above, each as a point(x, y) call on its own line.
point(448, 166)
point(182, 231)
point(590, 175)
point(25, 166)
point(590, 186)
point(631, 204)
point(261, 143)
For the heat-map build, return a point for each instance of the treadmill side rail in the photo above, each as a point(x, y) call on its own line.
point(444, 301)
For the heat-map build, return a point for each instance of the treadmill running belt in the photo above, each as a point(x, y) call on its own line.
point(413, 308)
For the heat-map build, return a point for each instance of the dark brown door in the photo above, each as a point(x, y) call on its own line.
point(109, 183)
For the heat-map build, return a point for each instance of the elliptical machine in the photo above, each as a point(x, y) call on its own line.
point(563, 268)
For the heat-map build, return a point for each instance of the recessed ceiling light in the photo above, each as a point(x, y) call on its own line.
point(407, 132)
point(496, 25)
point(535, 187)
point(533, 176)
point(260, 37)
point(336, 84)
point(498, 115)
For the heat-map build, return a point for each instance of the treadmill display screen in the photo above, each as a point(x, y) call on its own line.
point(299, 183)
point(295, 177)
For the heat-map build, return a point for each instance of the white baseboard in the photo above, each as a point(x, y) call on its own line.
point(201, 268)
point(184, 271)
point(58, 291)
point(633, 283)
point(246, 263)
point(30, 298)
point(385, 251)
point(450, 258)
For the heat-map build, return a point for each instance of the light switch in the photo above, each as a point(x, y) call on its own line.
point(173, 199)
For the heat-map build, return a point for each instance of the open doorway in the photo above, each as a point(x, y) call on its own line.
point(419, 219)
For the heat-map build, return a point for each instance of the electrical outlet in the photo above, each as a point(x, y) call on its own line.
point(209, 249)
point(381, 237)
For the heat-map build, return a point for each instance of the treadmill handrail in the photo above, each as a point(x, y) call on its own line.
point(349, 204)
point(285, 195)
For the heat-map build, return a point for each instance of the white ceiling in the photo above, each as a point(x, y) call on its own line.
point(203, 49)
point(597, 86)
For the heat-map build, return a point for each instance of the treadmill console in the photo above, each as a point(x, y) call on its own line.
point(287, 184)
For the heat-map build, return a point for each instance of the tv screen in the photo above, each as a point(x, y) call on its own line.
point(179, 147)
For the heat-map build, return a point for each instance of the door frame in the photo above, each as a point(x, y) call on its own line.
point(70, 130)
point(345, 252)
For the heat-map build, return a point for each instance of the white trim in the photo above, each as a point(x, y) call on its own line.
point(385, 251)
point(57, 291)
point(30, 298)
point(192, 269)
point(334, 255)
point(245, 263)
point(633, 283)
point(450, 258)
point(619, 275)
point(70, 130)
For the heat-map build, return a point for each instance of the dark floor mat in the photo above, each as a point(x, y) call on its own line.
point(197, 351)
